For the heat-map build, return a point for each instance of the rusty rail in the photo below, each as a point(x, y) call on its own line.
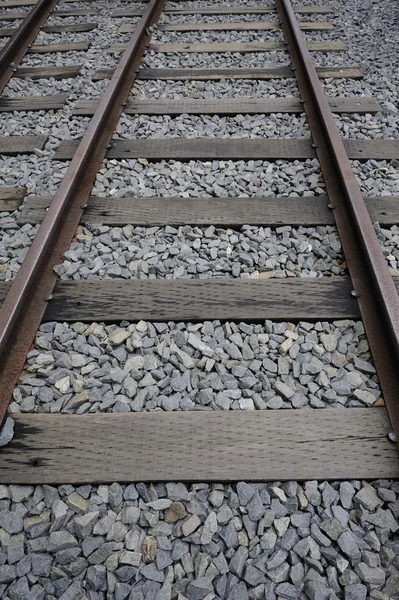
point(372, 281)
point(17, 46)
point(26, 302)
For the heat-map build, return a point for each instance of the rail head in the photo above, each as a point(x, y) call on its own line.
point(25, 304)
point(17, 46)
point(373, 285)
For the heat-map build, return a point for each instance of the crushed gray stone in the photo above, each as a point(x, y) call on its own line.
point(154, 60)
point(212, 126)
point(78, 368)
point(194, 252)
point(225, 88)
point(50, 553)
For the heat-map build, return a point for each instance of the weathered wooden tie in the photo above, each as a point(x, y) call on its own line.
point(36, 73)
point(69, 47)
point(224, 298)
point(13, 16)
point(11, 198)
point(244, 26)
point(16, 3)
point(31, 103)
point(21, 144)
point(283, 72)
point(225, 212)
point(232, 149)
point(200, 446)
point(229, 106)
point(50, 48)
point(233, 47)
point(223, 10)
point(79, 27)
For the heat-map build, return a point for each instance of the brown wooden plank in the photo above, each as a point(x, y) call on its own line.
point(11, 198)
point(21, 144)
point(16, 3)
point(244, 9)
point(35, 73)
point(12, 16)
point(200, 149)
point(296, 299)
point(282, 72)
point(231, 149)
point(234, 47)
point(356, 104)
point(384, 209)
point(270, 211)
point(69, 47)
point(127, 12)
point(47, 48)
point(72, 27)
point(312, 10)
point(377, 149)
point(75, 13)
point(200, 446)
point(223, 10)
point(55, 29)
point(201, 300)
point(233, 73)
point(244, 26)
point(32, 103)
point(233, 106)
point(7, 32)
point(204, 74)
point(223, 212)
point(253, 300)
point(226, 299)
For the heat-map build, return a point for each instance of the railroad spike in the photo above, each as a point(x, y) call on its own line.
point(355, 294)
point(393, 437)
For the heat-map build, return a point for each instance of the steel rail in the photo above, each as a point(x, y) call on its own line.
point(26, 302)
point(12, 53)
point(373, 285)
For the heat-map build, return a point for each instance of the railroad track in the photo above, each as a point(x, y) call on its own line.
point(368, 291)
point(357, 442)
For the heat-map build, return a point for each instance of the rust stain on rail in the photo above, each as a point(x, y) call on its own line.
point(373, 285)
point(24, 306)
point(18, 45)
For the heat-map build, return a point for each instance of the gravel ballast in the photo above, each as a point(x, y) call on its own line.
point(212, 37)
point(181, 60)
point(287, 540)
point(171, 19)
point(212, 126)
point(268, 541)
point(244, 88)
point(208, 366)
point(195, 252)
